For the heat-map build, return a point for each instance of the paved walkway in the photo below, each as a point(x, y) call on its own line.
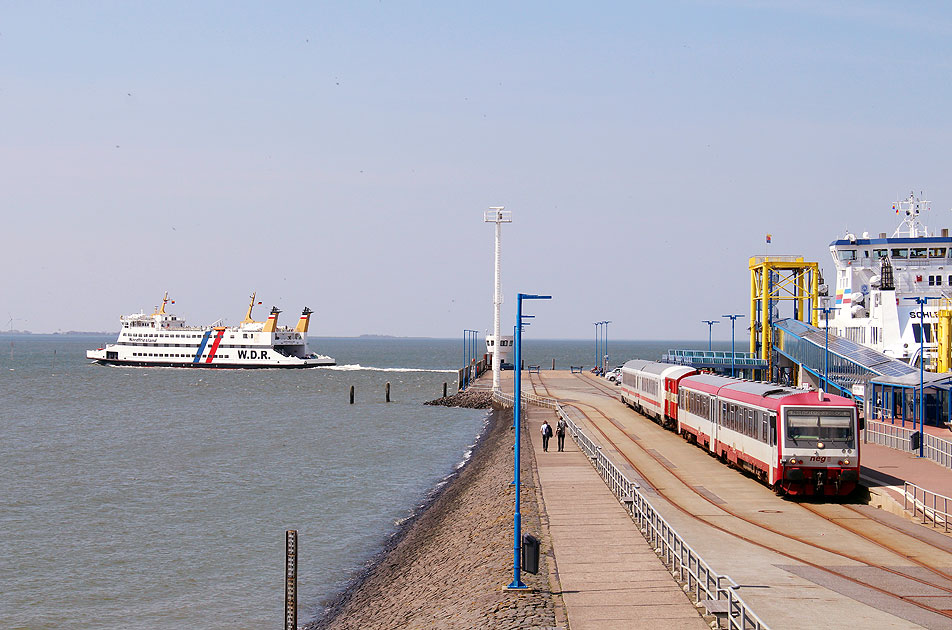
point(611, 578)
point(887, 468)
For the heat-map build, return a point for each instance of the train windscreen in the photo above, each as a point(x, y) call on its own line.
point(807, 427)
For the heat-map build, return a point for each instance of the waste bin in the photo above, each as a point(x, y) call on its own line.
point(530, 553)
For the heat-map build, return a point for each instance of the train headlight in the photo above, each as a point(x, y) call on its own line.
point(844, 462)
point(819, 444)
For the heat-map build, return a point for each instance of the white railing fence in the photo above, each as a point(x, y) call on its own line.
point(933, 508)
point(716, 592)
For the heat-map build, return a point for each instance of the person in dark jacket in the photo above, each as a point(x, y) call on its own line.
point(560, 433)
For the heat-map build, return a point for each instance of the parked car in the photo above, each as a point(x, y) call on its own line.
point(615, 375)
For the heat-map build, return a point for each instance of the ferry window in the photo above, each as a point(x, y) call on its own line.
point(847, 254)
point(936, 252)
point(917, 333)
point(938, 281)
point(880, 253)
point(900, 253)
point(932, 280)
point(917, 252)
point(927, 329)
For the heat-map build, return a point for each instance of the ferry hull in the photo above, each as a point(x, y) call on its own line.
point(227, 366)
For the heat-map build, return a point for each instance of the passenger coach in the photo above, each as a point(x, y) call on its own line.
point(801, 443)
point(652, 388)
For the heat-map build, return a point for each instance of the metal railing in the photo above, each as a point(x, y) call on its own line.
point(933, 507)
point(898, 437)
point(716, 592)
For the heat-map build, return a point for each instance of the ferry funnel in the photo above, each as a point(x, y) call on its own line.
point(304, 321)
point(272, 323)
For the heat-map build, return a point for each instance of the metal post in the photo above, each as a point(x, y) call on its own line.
point(922, 363)
point(517, 417)
point(496, 215)
point(290, 581)
point(605, 347)
point(710, 332)
point(733, 353)
point(517, 583)
point(597, 324)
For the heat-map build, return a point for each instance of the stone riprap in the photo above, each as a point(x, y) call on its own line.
point(450, 569)
point(470, 398)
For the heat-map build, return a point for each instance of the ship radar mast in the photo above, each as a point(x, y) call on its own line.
point(165, 300)
point(251, 305)
point(909, 210)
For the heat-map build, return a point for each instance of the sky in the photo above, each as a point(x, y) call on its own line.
point(340, 156)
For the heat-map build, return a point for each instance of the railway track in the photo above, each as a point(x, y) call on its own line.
point(930, 564)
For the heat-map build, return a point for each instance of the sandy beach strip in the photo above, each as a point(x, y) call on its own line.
point(449, 569)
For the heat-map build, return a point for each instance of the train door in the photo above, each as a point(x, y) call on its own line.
point(671, 399)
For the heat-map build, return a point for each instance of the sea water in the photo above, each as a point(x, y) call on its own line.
point(159, 497)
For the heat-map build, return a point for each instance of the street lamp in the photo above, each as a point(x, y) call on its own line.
point(517, 583)
point(921, 301)
point(469, 352)
point(710, 331)
point(826, 352)
point(597, 337)
point(733, 319)
point(605, 345)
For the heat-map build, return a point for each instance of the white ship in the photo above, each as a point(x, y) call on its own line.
point(161, 339)
point(876, 277)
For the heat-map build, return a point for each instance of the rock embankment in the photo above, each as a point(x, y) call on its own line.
point(450, 568)
point(470, 398)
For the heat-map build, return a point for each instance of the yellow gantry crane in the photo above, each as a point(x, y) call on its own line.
point(943, 362)
point(775, 279)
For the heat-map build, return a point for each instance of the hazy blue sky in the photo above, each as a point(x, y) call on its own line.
point(341, 155)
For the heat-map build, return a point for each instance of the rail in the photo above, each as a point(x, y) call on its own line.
point(921, 501)
point(715, 591)
point(898, 437)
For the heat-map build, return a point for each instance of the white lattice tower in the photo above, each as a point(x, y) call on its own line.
point(497, 215)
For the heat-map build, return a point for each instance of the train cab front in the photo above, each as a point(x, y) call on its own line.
point(824, 476)
point(820, 455)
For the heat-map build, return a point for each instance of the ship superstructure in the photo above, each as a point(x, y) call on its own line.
point(875, 276)
point(162, 339)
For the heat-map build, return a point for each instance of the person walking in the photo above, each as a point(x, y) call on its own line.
point(560, 432)
point(546, 434)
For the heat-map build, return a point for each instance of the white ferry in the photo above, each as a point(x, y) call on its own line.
point(162, 339)
point(875, 276)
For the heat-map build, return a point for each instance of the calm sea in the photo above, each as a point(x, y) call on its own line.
point(159, 498)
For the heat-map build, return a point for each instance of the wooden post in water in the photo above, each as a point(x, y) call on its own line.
point(444, 389)
point(352, 394)
point(388, 391)
point(553, 364)
point(290, 581)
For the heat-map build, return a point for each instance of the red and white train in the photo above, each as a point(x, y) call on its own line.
point(797, 442)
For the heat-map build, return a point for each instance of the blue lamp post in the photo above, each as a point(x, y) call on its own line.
point(517, 583)
point(597, 339)
point(826, 352)
point(921, 301)
point(605, 345)
point(710, 332)
point(733, 354)
point(469, 353)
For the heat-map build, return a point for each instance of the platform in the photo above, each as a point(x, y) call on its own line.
point(777, 577)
